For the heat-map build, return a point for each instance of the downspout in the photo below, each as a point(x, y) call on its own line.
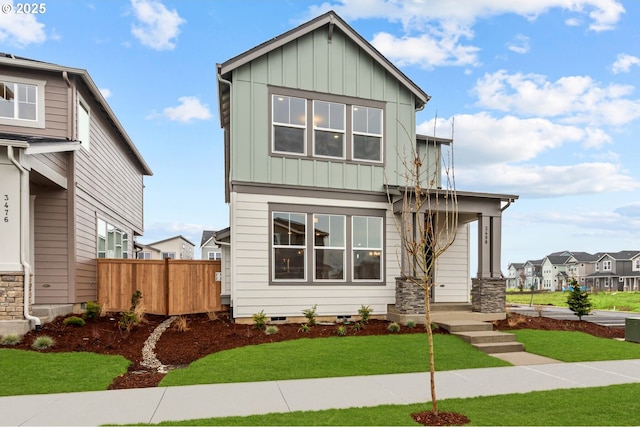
point(24, 236)
point(502, 209)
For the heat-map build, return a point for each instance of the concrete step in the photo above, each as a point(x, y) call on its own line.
point(456, 326)
point(480, 337)
point(500, 347)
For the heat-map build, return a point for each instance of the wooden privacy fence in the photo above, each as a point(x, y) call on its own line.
point(169, 287)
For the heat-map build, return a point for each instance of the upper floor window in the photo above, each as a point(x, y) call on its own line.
point(606, 265)
point(367, 134)
point(289, 124)
point(326, 126)
point(83, 123)
point(144, 255)
point(21, 102)
point(636, 264)
point(170, 255)
point(216, 256)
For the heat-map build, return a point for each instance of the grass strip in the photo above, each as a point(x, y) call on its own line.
point(569, 346)
point(30, 372)
point(620, 301)
point(615, 405)
point(331, 357)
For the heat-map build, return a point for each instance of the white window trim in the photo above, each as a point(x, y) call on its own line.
point(368, 248)
point(274, 124)
point(342, 248)
point(343, 131)
point(381, 135)
point(275, 246)
point(81, 104)
point(40, 110)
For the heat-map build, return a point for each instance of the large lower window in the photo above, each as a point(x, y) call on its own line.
point(112, 242)
point(367, 248)
point(289, 246)
point(346, 246)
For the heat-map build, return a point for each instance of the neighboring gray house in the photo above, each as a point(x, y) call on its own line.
point(554, 272)
point(177, 247)
point(580, 265)
point(209, 248)
point(533, 274)
point(71, 181)
point(615, 271)
point(515, 275)
point(314, 123)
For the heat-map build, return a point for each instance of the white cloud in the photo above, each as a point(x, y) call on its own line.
point(190, 108)
point(572, 99)
point(20, 30)
point(426, 50)
point(157, 27)
point(519, 44)
point(624, 63)
point(498, 154)
point(105, 92)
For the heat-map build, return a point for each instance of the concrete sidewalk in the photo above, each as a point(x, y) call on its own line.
point(153, 405)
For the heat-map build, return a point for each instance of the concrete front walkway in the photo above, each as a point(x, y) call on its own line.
point(153, 405)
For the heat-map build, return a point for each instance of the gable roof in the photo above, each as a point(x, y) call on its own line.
point(333, 22)
point(584, 257)
point(207, 235)
point(620, 256)
point(9, 60)
point(557, 259)
point(171, 238)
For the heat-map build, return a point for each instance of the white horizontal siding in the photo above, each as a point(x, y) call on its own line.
point(452, 278)
point(249, 259)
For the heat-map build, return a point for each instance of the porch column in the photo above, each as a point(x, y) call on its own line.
point(489, 246)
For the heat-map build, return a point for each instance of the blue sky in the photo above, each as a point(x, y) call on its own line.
point(545, 95)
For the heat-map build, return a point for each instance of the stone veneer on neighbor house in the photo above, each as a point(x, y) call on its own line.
point(11, 296)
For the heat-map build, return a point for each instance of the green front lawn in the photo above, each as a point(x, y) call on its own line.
point(621, 301)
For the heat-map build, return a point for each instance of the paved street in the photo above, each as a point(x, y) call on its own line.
point(601, 317)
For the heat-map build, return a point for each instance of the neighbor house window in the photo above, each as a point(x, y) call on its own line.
point(83, 123)
point(215, 256)
point(169, 255)
point(112, 241)
point(328, 129)
point(289, 246)
point(346, 245)
point(367, 248)
point(367, 133)
point(144, 255)
point(21, 102)
point(329, 246)
point(606, 265)
point(317, 125)
point(636, 263)
point(289, 124)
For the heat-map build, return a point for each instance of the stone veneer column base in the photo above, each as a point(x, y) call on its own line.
point(488, 295)
point(409, 297)
point(12, 319)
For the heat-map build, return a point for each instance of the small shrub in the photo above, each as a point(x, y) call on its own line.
point(393, 327)
point(128, 320)
point(181, 324)
point(139, 310)
point(74, 321)
point(212, 315)
point(578, 300)
point(410, 324)
point(357, 326)
point(260, 320)
point(310, 314)
point(514, 321)
point(11, 339)
point(304, 328)
point(43, 342)
point(92, 310)
point(341, 330)
point(365, 313)
point(271, 330)
point(136, 298)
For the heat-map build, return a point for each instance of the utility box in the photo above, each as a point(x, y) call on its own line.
point(632, 329)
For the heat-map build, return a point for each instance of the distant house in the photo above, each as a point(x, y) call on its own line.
point(580, 265)
point(515, 275)
point(533, 274)
point(177, 247)
point(71, 183)
point(616, 271)
point(209, 249)
point(315, 123)
point(554, 272)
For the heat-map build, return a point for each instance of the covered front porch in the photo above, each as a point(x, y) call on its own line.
point(478, 298)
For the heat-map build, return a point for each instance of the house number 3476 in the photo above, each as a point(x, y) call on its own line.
point(5, 206)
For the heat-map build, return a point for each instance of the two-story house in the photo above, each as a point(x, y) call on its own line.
point(580, 265)
point(533, 274)
point(71, 183)
point(315, 122)
point(209, 248)
point(515, 275)
point(176, 247)
point(554, 272)
point(614, 270)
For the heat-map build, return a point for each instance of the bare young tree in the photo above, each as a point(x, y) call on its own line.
point(427, 225)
